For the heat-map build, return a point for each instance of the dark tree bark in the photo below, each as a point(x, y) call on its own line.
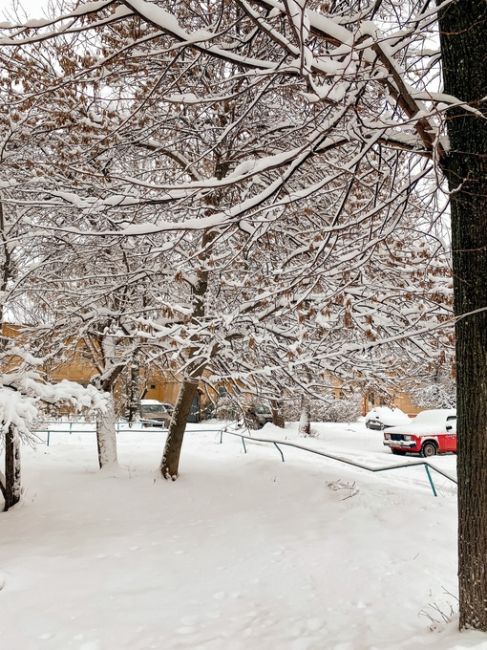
point(174, 441)
point(463, 33)
point(12, 487)
point(177, 427)
point(133, 407)
point(2, 485)
point(305, 415)
point(277, 417)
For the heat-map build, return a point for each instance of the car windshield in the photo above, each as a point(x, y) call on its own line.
point(153, 408)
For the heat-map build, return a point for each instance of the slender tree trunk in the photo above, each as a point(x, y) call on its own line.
point(13, 485)
point(106, 435)
point(304, 428)
point(10, 482)
point(172, 449)
point(177, 427)
point(106, 422)
point(277, 417)
point(133, 410)
point(463, 31)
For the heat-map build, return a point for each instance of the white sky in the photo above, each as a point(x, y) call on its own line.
point(33, 8)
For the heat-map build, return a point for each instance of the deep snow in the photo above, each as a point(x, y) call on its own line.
point(242, 552)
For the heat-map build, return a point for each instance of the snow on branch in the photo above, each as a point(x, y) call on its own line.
point(22, 392)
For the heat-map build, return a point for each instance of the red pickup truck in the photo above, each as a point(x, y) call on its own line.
point(429, 433)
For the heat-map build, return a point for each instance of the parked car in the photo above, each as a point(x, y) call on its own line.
point(154, 413)
point(431, 432)
point(258, 415)
point(381, 417)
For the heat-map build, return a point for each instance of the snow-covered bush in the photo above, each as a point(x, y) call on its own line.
point(23, 395)
point(227, 409)
point(434, 390)
point(16, 410)
point(327, 409)
point(338, 410)
point(441, 395)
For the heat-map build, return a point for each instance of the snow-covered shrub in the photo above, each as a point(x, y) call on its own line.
point(439, 394)
point(337, 410)
point(24, 395)
point(291, 410)
point(17, 410)
point(327, 409)
point(227, 409)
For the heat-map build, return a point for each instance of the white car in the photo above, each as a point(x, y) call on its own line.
point(381, 417)
point(154, 413)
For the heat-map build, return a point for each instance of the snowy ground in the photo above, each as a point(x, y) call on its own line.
point(242, 552)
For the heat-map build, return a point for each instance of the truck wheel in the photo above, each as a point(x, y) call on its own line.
point(429, 449)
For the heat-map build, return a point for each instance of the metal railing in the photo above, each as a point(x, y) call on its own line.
point(71, 428)
point(280, 443)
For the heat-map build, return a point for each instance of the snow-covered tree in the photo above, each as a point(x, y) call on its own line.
point(368, 71)
point(284, 223)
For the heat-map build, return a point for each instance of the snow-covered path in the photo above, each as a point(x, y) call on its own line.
point(242, 552)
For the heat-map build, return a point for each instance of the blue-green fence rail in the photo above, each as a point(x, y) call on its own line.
point(278, 444)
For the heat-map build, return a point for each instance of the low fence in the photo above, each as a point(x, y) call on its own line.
point(73, 427)
point(278, 444)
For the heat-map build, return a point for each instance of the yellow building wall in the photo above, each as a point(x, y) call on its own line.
point(404, 402)
point(155, 384)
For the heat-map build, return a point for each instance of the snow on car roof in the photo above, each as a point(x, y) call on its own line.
point(430, 421)
point(392, 415)
point(435, 414)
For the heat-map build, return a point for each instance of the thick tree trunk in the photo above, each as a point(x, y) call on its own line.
point(12, 488)
point(304, 428)
point(463, 30)
point(106, 435)
point(177, 427)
